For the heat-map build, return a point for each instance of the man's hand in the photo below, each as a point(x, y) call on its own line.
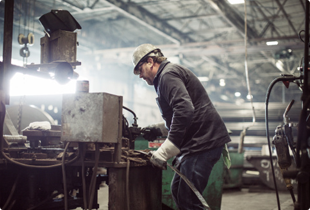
point(156, 161)
point(166, 151)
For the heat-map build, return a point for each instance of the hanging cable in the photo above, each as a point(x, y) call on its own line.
point(92, 186)
point(284, 78)
point(53, 195)
point(64, 179)
point(22, 164)
point(11, 193)
point(246, 63)
point(243, 132)
point(83, 176)
point(12, 204)
point(36, 166)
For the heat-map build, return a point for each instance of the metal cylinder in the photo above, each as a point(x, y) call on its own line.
point(82, 86)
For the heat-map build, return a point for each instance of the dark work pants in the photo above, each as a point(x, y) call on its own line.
point(197, 168)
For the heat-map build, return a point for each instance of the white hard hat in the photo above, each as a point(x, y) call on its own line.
point(142, 52)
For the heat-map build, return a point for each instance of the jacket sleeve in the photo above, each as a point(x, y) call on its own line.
point(173, 90)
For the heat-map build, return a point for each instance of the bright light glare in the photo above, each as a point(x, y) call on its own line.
point(272, 43)
point(29, 85)
point(252, 172)
point(249, 96)
point(237, 94)
point(236, 1)
point(203, 79)
point(222, 82)
point(224, 97)
point(280, 65)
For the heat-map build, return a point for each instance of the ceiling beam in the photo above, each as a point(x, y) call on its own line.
point(71, 5)
point(266, 19)
point(270, 22)
point(115, 5)
point(209, 46)
point(212, 30)
point(232, 17)
point(286, 16)
point(93, 4)
point(92, 11)
point(214, 63)
point(302, 4)
point(192, 17)
point(150, 19)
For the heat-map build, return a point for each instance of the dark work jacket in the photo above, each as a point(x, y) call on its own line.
point(194, 124)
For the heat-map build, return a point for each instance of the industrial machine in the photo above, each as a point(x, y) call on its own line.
point(56, 167)
point(47, 166)
point(284, 140)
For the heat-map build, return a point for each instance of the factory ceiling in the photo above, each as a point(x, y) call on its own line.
point(207, 36)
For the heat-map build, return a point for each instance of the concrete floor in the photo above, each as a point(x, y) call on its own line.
point(244, 199)
point(240, 199)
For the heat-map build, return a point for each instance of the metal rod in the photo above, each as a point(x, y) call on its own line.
point(306, 52)
point(7, 47)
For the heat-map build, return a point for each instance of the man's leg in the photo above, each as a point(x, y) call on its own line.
point(175, 188)
point(197, 169)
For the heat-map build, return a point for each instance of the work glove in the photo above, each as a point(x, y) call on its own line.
point(166, 151)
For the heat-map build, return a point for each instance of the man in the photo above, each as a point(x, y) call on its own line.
point(196, 132)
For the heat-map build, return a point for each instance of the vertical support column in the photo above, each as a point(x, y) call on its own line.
point(303, 176)
point(7, 49)
point(5, 66)
point(118, 145)
point(306, 54)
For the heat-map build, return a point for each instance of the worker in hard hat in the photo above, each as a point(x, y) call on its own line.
point(196, 132)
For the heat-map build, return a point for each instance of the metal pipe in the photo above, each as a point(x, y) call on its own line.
point(4, 67)
point(7, 48)
point(306, 52)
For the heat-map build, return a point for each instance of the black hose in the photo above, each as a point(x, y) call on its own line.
point(93, 179)
point(83, 177)
point(12, 204)
point(44, 201)
point(2, 115)
point(134, 116)
point(19, 163)
point(129, 111)
point(22, 164)
point(292, 195)
point(11, 193)
point(64, 180)
point(284, 78)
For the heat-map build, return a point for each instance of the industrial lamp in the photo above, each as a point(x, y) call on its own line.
point(58, 46)
point(59, 20)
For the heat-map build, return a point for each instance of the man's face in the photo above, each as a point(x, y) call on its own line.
point(146, 72)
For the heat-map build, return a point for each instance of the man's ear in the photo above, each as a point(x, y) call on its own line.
point(150, 60)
